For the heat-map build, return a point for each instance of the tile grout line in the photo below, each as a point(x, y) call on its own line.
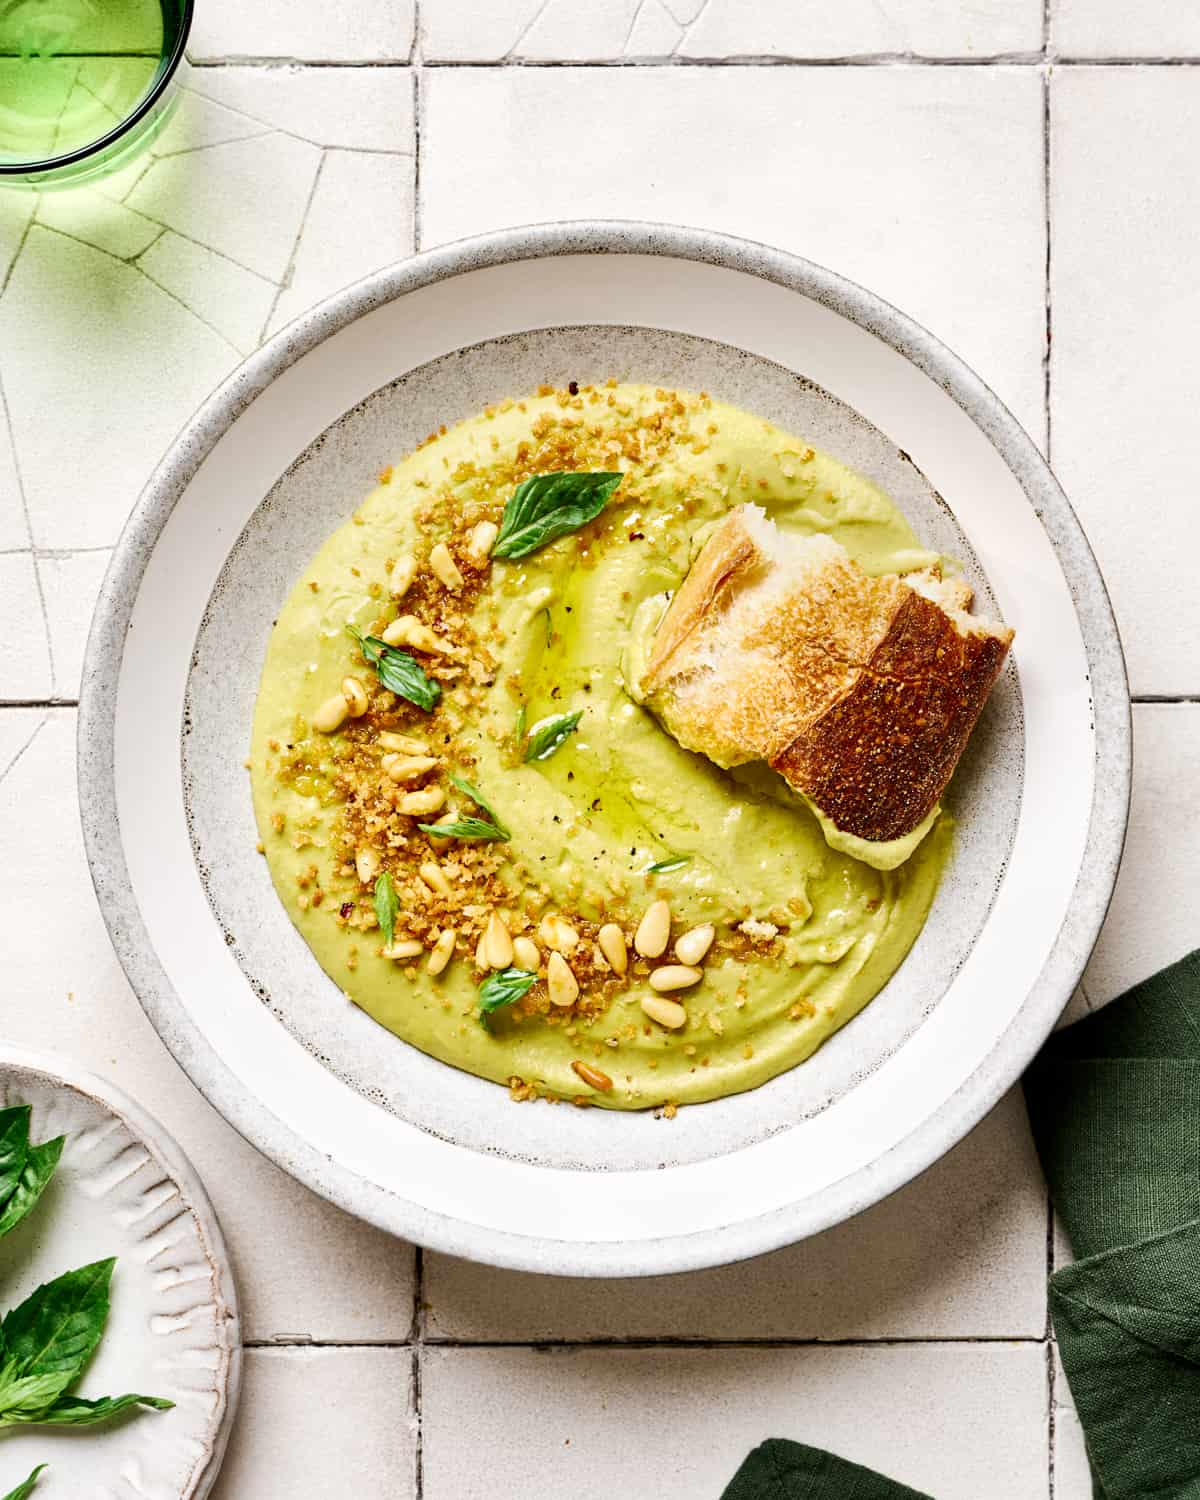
point(419, 1342)
point(1047, 156)
point(6, 415)
point(1022, 60)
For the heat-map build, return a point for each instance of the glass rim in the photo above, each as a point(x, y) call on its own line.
point(168, 69)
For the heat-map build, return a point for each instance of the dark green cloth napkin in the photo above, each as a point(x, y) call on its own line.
point(1114, 1102)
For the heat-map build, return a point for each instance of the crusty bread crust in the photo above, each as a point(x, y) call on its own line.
point(861, 692)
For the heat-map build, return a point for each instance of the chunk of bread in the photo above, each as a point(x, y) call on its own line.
point(861, 692)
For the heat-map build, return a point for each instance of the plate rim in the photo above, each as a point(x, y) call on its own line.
point(175, 1162)
point(993, 1075)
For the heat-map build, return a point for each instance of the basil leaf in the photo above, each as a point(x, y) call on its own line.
point(672, 862)
point(550, 505)
point(25, 1488)
point(398, 671)
point(387, 904)
point(23, 1398)
point(55, 1331)
point(14, 1147)
point(77, 1411)
point(477, 797)
point(503, 988)
point(548, 734)
point(38, 1170)
point(465, 828)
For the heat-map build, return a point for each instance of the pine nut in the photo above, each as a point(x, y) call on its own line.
point(407, 767)
point(668, 1013)
point(558, 935)
point(654, 930)
point(408, 631)
point(443, 951)
point(366, 863)
point(389, 740)
point(693, 945)
point(420, 804)
point(445, 567)
point(404, 570)
point(675, 977)
point(403, 948)
point(356, 698)
point(497, 943)
point(612, 945)
point(331, 715)
point(593, 1077)
point(435, 878)
point(526, 955)
point(483, 539)
point(562, 984)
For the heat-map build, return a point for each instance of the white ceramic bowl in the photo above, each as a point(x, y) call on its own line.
point(283, 452)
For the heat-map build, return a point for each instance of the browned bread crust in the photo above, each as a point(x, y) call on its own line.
point(861, 692)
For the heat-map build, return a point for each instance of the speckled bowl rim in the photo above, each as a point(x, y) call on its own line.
point(175, 1165)
point(853, 1193)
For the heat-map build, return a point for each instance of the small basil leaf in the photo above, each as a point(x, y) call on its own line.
point(55, 1330)
point(25, 1488)
point(387, 904)
point(24, 1397)
point(398, 671)
point(14, 1147)
point(503, 988)
point(548, 734)
point(550, 505)
point(39, 1169)
point(77, 1411)
point(672, 862)
point(468, 789)
point(465, 828)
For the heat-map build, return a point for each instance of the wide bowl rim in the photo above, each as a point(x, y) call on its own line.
point(993, 1075)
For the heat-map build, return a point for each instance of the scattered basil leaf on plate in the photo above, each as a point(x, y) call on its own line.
point(25, 1488)
point(672, 862)
point(469, 789)
point(39, 1168)
point(14, 1147)
point(549, 506)
point(387, 904)
point(56, 1329)
point(503, 988)
point(78, 1411)
point(398, 671)
point(547, 735)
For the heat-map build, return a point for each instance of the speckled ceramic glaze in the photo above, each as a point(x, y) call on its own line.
point(284, 452)
point(124, 1188)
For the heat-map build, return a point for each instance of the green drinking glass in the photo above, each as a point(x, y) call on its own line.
point(85, 84)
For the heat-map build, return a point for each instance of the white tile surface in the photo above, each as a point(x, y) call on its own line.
point(70, 583)
point(543, 30)
point(305, 1269)
point(328, 31)
point(1072, 1475)
point(959, 1253)
point(1111, 28)
point(958, 1421)
point(24, 647)
point(1155, 915)
point(1125, 360)
point(274, 185)
point(924, 184)
point(323, 1422)
point(360, 218)
point(14, 529)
